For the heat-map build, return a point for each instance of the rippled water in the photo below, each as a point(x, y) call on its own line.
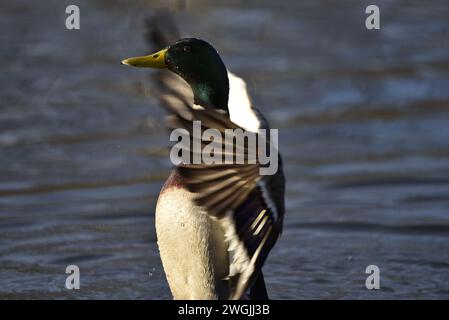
point(364, 131)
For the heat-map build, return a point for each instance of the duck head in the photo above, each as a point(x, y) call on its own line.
point(198, 63)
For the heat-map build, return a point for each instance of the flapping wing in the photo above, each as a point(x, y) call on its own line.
point(250, 206)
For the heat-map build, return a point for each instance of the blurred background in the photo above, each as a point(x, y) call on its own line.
point(363, 118)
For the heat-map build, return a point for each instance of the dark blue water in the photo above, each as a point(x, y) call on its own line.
point(364, 131)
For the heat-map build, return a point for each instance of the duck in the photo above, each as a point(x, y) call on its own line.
point(215, 223)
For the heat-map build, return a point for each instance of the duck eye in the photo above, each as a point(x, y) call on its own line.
point(186, 49)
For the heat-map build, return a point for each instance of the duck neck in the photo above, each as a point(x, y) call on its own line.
point(212, 94)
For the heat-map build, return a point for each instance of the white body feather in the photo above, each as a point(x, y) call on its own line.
point(240, 107)
point(192, 248)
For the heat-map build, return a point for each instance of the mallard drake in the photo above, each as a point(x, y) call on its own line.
point(215, 224)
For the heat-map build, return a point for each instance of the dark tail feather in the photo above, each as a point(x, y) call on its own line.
point(161, 30)
point(258, 291)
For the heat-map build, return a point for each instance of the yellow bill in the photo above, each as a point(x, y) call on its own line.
point(155, 60)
